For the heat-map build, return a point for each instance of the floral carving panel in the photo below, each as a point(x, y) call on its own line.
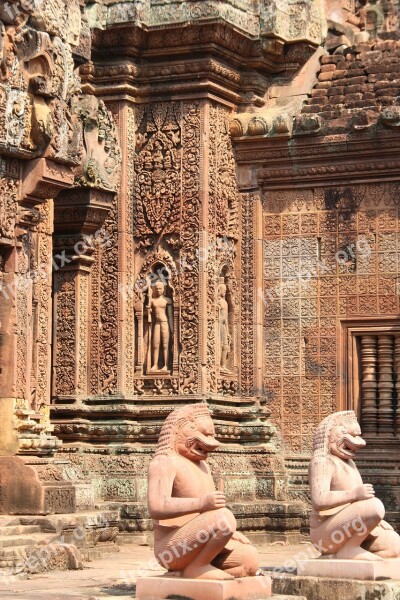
point(158, 166)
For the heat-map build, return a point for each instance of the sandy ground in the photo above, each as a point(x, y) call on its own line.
point(114, 576)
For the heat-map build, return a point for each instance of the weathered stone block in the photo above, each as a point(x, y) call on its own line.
point(351, 569)
point(324, 588)
point(22, 491)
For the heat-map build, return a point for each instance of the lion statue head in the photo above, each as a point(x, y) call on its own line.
point(338, 434)
point(188, 431)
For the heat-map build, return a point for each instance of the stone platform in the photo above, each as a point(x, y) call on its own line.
point(365, 570)
point(328, 588)
point(161, 588)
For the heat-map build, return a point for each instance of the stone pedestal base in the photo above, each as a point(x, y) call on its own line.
point(160, 588)
point(28, 487)
point(350, 569)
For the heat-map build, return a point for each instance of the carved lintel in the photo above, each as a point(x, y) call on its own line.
point(44, 178)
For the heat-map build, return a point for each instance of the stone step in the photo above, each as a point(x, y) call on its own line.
point(23, 540)
point(12, 552)
point(8, 520)
point(10, 530)
point(59, 522)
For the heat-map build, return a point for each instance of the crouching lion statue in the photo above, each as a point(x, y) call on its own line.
point(195, 534)
point(346, 520)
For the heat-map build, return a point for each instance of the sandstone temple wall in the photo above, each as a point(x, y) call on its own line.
point(204, 213)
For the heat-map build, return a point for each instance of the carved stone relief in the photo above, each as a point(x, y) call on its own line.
point(166, 204)
point(247, 296)
point(158, 164)
point(330, 255)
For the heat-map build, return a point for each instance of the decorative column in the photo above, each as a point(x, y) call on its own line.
point(369, 385)
point(79, 216)
point(385, 385)
point(8, 331)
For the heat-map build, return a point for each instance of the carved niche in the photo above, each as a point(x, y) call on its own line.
point(227, 326)
point(157, 319)
point(222, 297)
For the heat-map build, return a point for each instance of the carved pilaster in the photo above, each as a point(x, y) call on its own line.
point(127, 270)
point(24, 308)
point(65, 335)
point(190, 323)
point(385, 384)
point(369, 385)
point(43, 302)
point(109, 333)
point(79, 243)
point(247, 297)
point(397, 381)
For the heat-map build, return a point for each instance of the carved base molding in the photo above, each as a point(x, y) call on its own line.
point(253, 478)
point(139, 420)
point(34, 434)
point(269, 522)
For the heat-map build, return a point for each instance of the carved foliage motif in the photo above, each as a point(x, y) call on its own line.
point(95, 324)
point(247, 297)
point(166, 222)
point(109, 297)
point(210, 253)
point(189, 363)
point(8, 207)
point(104, 332)
point(226, 201)
point(23, 319)
point(83, 291)
point(128, 298)
point(43, 297)
point(158, 164)
point(64, 355)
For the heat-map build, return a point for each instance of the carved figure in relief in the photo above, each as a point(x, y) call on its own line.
point(194, 533)
point(223, 318)
point(160, 315)
point(347, 518)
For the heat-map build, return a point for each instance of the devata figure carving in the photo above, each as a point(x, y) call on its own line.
point(347, 519)
point(225, 338)
point(194, 533)
point(161, 316)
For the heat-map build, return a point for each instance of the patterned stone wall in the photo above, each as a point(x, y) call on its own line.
point(330, 254)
